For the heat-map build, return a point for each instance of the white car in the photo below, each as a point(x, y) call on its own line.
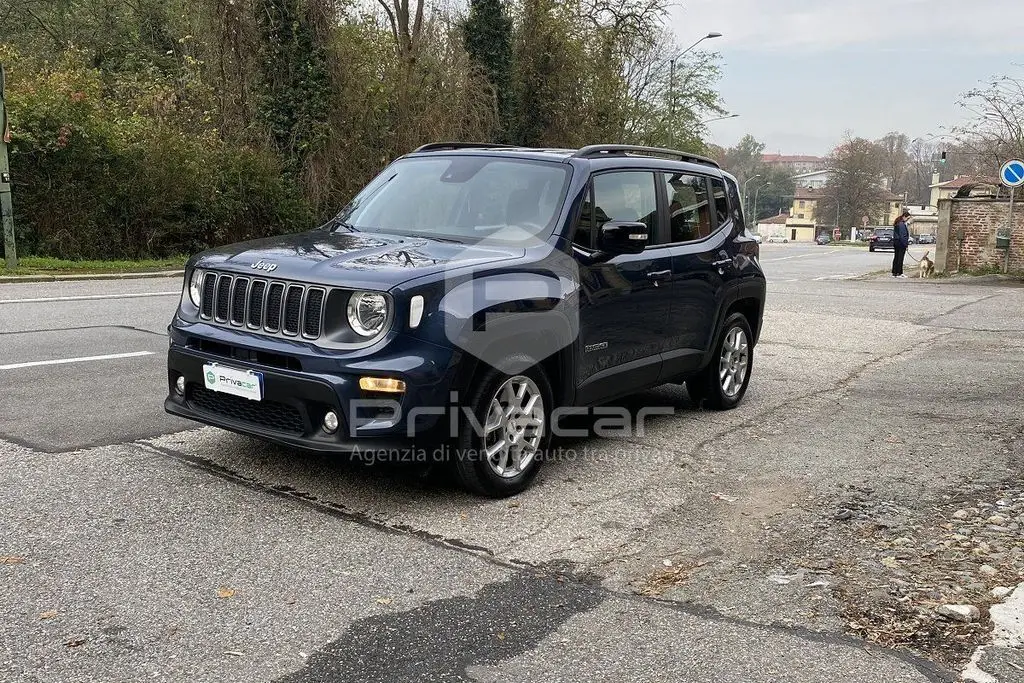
point(757, 237)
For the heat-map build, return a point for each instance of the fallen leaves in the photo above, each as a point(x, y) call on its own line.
point(223, 592)
point(49, 614)
point(384, 601)
point(74, 642)
point(11, 559)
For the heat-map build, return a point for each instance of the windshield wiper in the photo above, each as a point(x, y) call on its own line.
point(338, 222)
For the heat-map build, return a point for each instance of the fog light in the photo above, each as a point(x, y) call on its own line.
point(387, 385)
point(179, 385)
point(331, 422)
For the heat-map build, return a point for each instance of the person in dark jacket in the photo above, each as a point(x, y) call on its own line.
point(900, 242)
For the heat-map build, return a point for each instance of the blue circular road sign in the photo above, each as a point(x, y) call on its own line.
point(1012, 173)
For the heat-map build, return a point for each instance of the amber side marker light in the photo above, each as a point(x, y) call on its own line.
point(383, 384)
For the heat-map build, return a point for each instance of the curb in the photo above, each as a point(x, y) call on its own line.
point(97, 276)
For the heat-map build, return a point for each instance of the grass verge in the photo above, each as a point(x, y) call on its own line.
point(44, 265)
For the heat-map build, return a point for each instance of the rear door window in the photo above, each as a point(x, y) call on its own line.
point(689, 213)
point(721, 201)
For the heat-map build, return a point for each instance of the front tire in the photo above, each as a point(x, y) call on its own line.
point(723, 383)
point(500, 453)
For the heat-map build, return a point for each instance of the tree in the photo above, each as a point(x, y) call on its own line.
point(997, 131)
point(745, 159)
point(488, 42)
point(894, 148)
point(777, 189)
point(856, 173)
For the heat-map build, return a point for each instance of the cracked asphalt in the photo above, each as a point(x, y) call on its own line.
point(138, 546)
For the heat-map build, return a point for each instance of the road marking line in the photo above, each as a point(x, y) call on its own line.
point(83, 359)
point(844, 276)
point(90, 297)
point(786, 258)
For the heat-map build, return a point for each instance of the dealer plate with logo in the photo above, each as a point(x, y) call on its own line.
point(244, 383)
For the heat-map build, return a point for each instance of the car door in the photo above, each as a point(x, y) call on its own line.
point(623, 306)
point(701, 228)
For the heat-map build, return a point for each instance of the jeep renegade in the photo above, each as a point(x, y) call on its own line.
point(468, 293)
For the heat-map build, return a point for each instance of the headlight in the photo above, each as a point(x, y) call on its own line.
point(367, 313)
point(195, 287)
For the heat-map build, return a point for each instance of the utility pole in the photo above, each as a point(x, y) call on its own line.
point(6, 210)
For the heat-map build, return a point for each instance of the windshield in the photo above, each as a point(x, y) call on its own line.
point(466, 198)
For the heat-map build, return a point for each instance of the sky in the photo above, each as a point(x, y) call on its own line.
point(800, 73)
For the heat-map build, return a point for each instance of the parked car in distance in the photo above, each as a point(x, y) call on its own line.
point(758, 238)
point(775, 238)
point(881, 238)
point(465, 294)
point(823, 238)
point(926, 239)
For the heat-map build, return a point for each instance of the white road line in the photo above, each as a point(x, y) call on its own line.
point(843, 276)
point(786, 258)
point(83, 359)
point(90, 297)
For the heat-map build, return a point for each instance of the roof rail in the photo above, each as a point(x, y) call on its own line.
point(591, 151)
point(439, 146)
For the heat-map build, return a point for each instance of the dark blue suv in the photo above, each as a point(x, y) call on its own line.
point(469, 299)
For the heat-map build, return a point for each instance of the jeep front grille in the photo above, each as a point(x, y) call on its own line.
point(270, 306)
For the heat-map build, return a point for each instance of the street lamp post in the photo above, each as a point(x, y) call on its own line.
point(745, 183)
point(757, 192)
point(672, 86)
point(720, 118)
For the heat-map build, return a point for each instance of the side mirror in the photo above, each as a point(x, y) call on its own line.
point(623, 237)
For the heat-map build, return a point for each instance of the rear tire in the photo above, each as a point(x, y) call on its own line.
point(502, 453)
point(723, 383)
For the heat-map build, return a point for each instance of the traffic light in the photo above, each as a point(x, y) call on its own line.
point(942, 159)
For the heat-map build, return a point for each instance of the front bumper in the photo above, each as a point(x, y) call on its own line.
point(299, 388)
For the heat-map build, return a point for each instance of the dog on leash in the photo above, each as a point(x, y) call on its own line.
point(927, 266)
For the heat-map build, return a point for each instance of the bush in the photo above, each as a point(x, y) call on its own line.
point(102, 177)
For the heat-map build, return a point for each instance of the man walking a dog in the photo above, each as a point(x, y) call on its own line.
point(900, 242)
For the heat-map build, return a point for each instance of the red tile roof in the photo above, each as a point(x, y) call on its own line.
point(957, 183)
point(774, 220)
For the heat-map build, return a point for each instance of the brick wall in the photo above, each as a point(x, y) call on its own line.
point(967, 232)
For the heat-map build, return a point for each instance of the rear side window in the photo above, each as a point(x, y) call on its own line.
point(721, 201)
point(689, 214)
point(625, 196)
point(734, 200)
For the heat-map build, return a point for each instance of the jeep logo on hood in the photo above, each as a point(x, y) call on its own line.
point(264, 265)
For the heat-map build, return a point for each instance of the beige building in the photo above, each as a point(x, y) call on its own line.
point(804, 223)
point(984, 186)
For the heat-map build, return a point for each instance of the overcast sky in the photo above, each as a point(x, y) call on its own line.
point(871, 66)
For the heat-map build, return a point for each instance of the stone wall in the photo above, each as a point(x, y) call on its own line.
point(967, 230)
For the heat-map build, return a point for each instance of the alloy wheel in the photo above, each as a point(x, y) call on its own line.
point(514, 426)
point(734, 362)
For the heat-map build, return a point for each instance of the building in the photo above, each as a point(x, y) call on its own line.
point(813, 179)
point(986, 187)
point(925, 219)
point(774, 226)
point(795, 164)
point(804, 223)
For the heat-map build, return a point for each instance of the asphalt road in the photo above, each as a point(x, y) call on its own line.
point(138, 546)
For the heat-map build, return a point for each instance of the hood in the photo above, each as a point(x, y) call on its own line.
point(350, 259)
